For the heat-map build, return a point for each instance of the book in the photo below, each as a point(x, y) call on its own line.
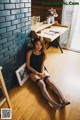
point(49, 32)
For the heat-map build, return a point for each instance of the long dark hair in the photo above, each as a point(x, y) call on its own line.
point(43, 46)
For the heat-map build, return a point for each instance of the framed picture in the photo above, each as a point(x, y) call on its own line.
point(22, 74)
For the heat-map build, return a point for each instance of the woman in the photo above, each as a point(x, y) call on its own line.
point(37, 72)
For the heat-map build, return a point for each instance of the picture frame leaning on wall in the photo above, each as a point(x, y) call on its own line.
point(22, 74)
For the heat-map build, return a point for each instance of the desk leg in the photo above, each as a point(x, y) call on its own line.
point(46, 44)
point(59, 45)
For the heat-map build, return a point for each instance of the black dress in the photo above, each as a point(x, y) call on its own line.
point(36, 62)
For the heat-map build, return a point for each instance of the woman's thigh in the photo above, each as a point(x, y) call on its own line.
point(40, 83)
point(46, 73)
point(34, 77)
point(47, 78)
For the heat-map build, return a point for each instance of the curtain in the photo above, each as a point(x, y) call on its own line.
point(74, 39)
point(71, 18)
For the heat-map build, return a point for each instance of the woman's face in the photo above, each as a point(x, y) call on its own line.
point(38, 45)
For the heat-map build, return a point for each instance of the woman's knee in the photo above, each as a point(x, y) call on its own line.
point(46, 73)
point(49, 81)
point(31, 75)
point(34, 77)
point(41, 84)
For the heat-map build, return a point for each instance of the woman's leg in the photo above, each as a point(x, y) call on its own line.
point(55, 89)
point(44, 91)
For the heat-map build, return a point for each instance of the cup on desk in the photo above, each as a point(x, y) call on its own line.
point(48, 20)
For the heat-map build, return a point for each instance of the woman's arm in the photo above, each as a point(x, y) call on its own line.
point(42, 67)
point(42, 75)
point(28, 62)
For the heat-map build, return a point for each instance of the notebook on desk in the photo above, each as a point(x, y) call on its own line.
point(51, 32)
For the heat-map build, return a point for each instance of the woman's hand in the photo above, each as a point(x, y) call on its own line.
point(42, 75)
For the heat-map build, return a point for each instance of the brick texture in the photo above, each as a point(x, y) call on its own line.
point(15, 23)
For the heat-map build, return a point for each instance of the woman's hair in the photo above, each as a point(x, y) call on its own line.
point(43, 46)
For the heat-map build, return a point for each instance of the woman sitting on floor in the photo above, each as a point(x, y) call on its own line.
point(37, 72)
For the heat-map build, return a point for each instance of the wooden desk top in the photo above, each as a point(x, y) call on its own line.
point(43, 30)
point(40, 26)
point(57, 31)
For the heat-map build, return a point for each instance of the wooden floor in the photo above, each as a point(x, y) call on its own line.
point(28, 102)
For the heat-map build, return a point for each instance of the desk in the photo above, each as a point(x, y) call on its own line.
point(49, 32)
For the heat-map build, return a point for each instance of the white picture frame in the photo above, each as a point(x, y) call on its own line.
point(22, 74)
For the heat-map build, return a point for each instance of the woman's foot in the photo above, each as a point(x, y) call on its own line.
point(56, 106)
point(64, 102)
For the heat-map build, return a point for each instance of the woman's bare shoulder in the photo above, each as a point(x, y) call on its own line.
point(29, 52)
